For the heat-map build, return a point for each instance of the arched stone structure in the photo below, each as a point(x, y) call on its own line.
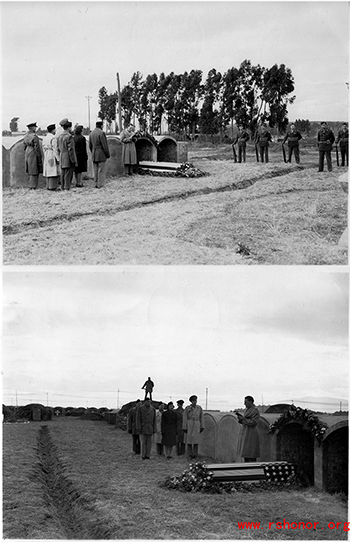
point(167, 149)
point(332, 457)
point(13, 168)
point(295, 444)
point(146, 150)
point(227, 447)
point(114, 166)
point(207, 440)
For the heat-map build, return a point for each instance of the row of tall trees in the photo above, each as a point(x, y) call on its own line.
point(187, 103)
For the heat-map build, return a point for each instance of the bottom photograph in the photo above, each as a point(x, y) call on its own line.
point(175, 403)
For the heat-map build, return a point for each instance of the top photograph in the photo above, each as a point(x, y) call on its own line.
point(175, 133)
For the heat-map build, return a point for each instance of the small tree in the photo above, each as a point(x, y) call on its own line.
point(14, 124)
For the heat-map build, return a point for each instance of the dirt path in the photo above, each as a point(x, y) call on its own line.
point(73, 512)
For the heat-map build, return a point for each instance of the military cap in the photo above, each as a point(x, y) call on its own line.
point(99, 123)
point(180, 402)
point(192, 398)
point(31, 124)
point(64, 121)
point(51, 127)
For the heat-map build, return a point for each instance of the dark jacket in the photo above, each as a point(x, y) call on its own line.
point(98, 145)
point(66, 149)
point(169, 427)
point(293, 138)
point(263, 138)
point(131, 423)
point(32, 154)
point(81, 152)
point(343, 137)
point(146, 420)
point(241, 138)
point(325, 138)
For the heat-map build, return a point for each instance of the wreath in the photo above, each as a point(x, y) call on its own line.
point(312, 423)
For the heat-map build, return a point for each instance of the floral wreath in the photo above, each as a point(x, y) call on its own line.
point(146, 135)
point(312, 423)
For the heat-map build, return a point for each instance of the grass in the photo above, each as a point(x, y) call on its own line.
point(110, 493)
point(284, 214)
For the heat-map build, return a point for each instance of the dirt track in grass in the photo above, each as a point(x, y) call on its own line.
point(283, 213)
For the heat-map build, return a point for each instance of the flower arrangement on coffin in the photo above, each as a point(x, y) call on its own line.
point(312, 423)
point(184, 170)
point(198, 478)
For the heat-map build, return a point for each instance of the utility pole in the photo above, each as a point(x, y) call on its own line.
point(118, 399)
point(16, 399)
point(47, 399)
point(206, 398)
point(340, 406)
point(88, 99)
point(118, 119)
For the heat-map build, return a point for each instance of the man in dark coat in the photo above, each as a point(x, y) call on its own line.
point(263, 138)
point(343, 141)
point(100, 153)
point(325, 139)
point(68, 158)
point(293, 137)
point(146, 426)
point(131, 426)
point(250, 449)
point(241, 140)
point(32, 155)
point(148, 387)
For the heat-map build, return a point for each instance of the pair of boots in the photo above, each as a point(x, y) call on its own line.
point(192, 451)
point(180, 448)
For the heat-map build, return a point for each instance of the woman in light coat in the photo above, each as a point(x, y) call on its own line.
point(129, 155)
point(51, 158)
point(193, 425)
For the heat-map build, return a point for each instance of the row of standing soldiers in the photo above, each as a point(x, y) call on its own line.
point(325, 141)
point(166, 427)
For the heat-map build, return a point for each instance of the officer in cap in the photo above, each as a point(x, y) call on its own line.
point(180, 437)
point(32, 155)
point(325, 140)
point(343, 140)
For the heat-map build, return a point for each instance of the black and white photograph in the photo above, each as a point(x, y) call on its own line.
point(175, 133)
point(175, 279)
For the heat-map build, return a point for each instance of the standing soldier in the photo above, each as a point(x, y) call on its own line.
point(293, 137)
point(343, 140)
point(262, 140)
point(241, 139)
point(249, 445)
point(325, 139)
point(146, 426)
point(68, 158)
point(193, 425)
point(98, 146)
point(131, 426)
point(32, 155)
point(148, 387)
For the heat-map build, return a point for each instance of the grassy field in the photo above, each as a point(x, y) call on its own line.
point(283, 214)
point(78, 479)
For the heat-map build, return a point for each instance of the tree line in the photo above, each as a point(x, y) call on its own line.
point(187, 104)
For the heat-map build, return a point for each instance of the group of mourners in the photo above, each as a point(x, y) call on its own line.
point(325, 141)
point(168, 427)
point(63, 154)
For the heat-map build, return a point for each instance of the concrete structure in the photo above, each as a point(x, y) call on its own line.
point(13, 165)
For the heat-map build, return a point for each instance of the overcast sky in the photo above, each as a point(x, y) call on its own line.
point(54, 54)
point(277, 333)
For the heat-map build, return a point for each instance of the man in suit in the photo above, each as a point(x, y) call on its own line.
point(343, 140)
point(325, 140)
point(146, 426)
point(68, 158)
point(100, 153)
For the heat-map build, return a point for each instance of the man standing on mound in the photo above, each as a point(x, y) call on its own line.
point(100, 153)
point(146, 426)
point(250, 449)
point(193, 425)
point(325, 140)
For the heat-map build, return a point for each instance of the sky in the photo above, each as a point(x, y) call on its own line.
point(56, 54)
point(82, 337)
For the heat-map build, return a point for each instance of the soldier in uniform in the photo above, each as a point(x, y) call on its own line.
point(241, 139)
point(262, 140)
point(293, 137)
point(68, 157)
point(325, 139)
point(343, 140)
point(32, 155)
